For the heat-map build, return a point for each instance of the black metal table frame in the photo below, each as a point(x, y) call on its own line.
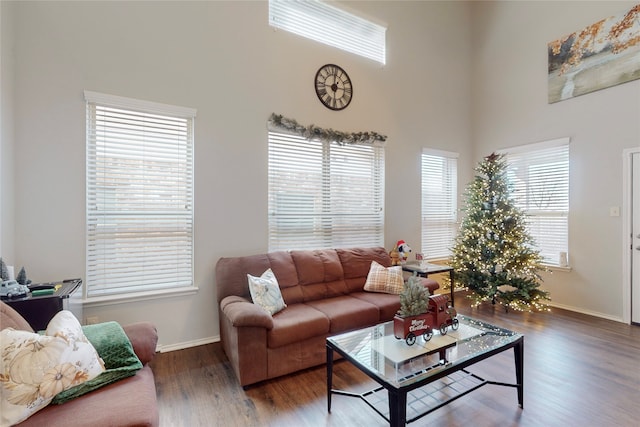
point(398, 396)
point(442, 269)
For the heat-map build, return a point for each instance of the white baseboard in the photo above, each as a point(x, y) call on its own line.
point(187, 344)
point(575, 309)
point(588, 312)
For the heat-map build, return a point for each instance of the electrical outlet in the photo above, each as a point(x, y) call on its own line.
point(92, 320)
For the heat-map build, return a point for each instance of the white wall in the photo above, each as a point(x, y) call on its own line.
point(510, 108)
point(223, 59)
point(6, 136)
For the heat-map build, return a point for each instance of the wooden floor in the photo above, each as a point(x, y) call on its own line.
point(579, 371)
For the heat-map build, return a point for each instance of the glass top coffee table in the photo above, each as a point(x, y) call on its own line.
point(418, 379)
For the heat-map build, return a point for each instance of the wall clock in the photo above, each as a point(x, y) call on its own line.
point(333, 87)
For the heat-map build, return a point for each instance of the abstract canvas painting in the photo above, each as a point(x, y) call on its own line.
point(601, 55)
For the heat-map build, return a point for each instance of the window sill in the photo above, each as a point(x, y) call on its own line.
point(554, 268)
point(136, 297)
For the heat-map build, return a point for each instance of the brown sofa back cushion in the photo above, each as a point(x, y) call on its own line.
point(284, 269)
point(357, 262)
point(303, 275)
point(231, 274)
point(320, 274)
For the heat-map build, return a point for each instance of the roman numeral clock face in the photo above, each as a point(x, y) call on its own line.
point(333, 87)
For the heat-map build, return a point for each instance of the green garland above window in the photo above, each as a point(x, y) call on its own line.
point(278, 122)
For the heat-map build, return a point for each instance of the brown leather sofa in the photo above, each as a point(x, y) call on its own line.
point(128, 402)
point(323, 290)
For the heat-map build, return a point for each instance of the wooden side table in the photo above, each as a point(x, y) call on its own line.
point(38, 310)
point(423, 268)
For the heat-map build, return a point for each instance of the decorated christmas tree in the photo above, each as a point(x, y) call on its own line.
point(493, 255)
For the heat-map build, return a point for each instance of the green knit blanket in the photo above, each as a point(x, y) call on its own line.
point(115, 349)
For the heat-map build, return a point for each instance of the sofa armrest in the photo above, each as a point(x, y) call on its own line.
point(242, 312)
point(144, 338)
point(430, 284)
point(10, 318)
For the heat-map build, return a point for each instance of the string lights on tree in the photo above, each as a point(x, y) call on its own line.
point(493, 255)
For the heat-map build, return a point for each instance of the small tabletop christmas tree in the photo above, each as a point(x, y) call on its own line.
point(493, 255)
point(414, 298)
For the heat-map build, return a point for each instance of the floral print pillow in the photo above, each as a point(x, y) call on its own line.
point(34, 368)
point(265, 292)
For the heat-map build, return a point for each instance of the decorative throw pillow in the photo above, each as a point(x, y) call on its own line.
point(115, 349)
point(34, 368)
point(265, 292)
point(387, 280)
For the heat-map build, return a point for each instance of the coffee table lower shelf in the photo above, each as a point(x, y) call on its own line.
point(424, 400)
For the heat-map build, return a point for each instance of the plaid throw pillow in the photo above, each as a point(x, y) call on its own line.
point(387, 280)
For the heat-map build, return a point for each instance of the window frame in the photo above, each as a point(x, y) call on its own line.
point(328, 199)
point(445, 226)
point(333, 26)
point(121, 127)
point(551, 150)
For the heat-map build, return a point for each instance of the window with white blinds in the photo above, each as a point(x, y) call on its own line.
point(325, 23)
point(539, 174)
point(324, 195)
point(139, 196)
point(439, 202)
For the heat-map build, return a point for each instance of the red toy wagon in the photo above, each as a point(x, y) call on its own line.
point(441, 315)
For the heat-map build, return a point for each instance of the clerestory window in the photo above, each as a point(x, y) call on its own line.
point(331, 25)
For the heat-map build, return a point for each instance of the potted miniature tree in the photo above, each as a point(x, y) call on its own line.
point(8, 287)
point(412, 319)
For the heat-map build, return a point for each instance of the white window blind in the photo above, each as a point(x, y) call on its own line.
point(324, 195)
point(439, 202)
point(330, 25)
point(539, 174)
point(139, 196)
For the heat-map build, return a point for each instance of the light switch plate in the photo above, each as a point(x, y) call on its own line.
point(614, 211)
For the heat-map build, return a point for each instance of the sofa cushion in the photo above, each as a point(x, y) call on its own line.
point(41, 366)
point(297, 323)
point(388, 280)
point(232, 272)
point(346, 312)
point(285, 271)
point(356, 263)
point(388, 304)
point(129, 402)
point(265, 292)
point(320, 273)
